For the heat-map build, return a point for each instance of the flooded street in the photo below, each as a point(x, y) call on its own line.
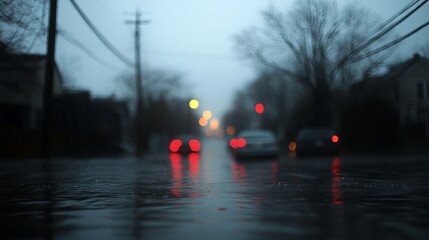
point(154, 119)
point(212, 196)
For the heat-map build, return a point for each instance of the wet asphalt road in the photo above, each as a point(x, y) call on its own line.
point(212, 196)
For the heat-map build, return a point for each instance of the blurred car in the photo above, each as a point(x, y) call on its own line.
point(316, 141)
point(254, 143)
point(185, 144)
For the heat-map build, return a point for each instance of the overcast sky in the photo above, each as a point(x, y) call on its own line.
point(191, 37)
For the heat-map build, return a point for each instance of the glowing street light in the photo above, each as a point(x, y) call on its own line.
point(214, 123)
point(193, 104)
point(203, 122)
point(207, 114)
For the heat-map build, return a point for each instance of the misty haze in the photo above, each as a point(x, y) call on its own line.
point(188, 119)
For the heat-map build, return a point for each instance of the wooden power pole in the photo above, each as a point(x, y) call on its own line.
point(141, 133)
point(49, 81)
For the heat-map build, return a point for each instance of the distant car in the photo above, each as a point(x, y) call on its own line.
point(185, 144)
point(316, 141)
point(254, 143)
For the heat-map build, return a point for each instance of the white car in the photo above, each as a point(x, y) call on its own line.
point(254, 143)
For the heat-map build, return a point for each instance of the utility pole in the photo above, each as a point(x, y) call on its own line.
point(49, 81)
point(141, 134)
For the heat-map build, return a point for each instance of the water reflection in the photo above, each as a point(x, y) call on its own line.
point(194, 172)
point(259, 169)
point(238, 172)
point(336, 181)
point(176, 168)
point(274, 170)
point(194, 167)
point(292, 154)
point(184, 195)
point(48, 192)
point(182, 174)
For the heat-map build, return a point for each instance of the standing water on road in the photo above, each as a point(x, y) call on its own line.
point(211, 195)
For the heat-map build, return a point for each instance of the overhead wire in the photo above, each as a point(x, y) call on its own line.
point(189, 55)
point(385, 31)
point(100, 36)
point(73, 40)
point(396, 41)
point(400, 12)
point(395, 24)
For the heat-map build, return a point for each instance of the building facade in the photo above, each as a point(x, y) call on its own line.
point(21, 89)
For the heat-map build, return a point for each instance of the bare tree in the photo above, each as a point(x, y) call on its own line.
point(269, 89)
point(156, 83)
point(316, 45)
point(425, 50)
point(22, 22)
point(241, 114)
point(166, 114)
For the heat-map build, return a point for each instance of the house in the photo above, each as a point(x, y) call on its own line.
point(406, 87)
point(21, 89)
point(21, 98)
point(83, 125)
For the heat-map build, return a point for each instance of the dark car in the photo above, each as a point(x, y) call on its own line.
point(185, 144)
point(316, 141)
point(254, 143)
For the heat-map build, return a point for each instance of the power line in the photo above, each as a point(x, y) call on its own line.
point(404, 9)
point(366, 44)
point(189, 55)
point(73, 40)
point(381, 34)
point(101, 36)
point(396, 41)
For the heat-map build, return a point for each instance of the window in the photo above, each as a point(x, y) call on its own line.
point(420, 90)
point(423, 90)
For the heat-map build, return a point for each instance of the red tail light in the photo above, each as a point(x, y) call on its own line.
point(233, 143)
point(236, 143)
point(175, 145)
point(241, 142)
point(335, 139)
point(195, 145)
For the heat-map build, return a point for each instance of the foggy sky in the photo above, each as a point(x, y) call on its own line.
point(191, 37)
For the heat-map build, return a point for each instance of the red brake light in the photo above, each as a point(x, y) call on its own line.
point(175, 145)
point(236, 143)
point(335, 139)
point(195, 145)
point(233, 143)
point(241, 142)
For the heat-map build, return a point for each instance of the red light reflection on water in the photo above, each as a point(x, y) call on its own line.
point(194, 171)
point(274, 170)
point(336, 181)
point(194, 165)
point(176, 168)
point(238, 172)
